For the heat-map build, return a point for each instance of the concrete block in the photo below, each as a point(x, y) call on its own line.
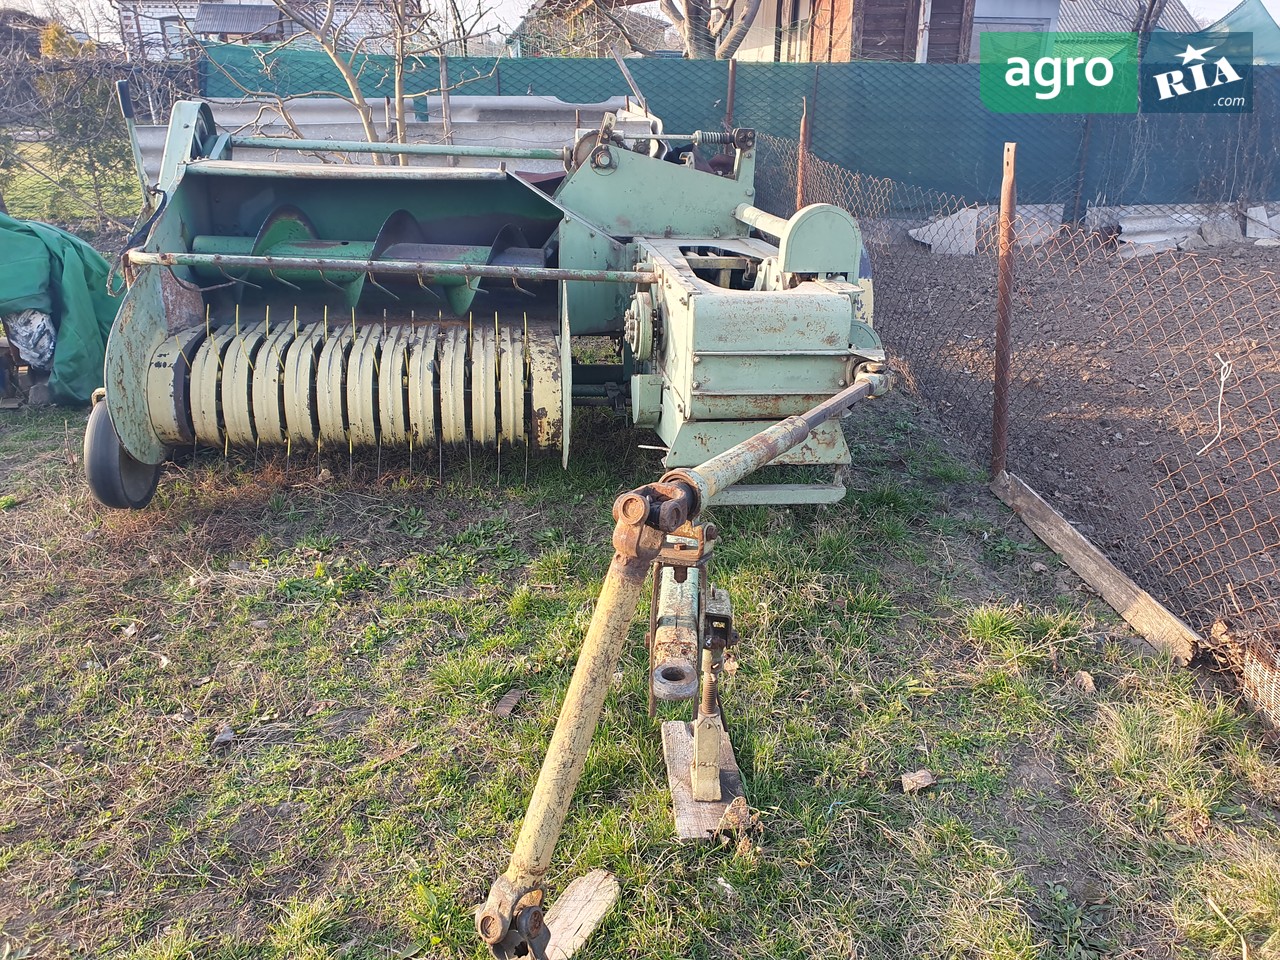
point(1038, 223)
point(1258, 225)
point(1153, 228)
point(1267, 242)
point(956, 235)
point(1127, 251)
point(1100, 218)
point(1221, 231)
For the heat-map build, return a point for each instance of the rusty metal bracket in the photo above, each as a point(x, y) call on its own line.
point(688, 548)
point(717, 635)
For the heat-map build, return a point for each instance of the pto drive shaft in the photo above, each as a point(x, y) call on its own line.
point(511, 921)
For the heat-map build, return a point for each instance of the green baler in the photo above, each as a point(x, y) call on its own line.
point(349, 305)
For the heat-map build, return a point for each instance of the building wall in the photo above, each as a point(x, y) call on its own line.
point(889, 30)
point(759, 42)
point(153, 29)
point(1012, 15)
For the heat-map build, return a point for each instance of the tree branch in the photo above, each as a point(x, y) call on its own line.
point(672, 11)
point(632, 42)
point(730, 44)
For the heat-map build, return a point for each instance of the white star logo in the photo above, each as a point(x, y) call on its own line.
point(1191, 53)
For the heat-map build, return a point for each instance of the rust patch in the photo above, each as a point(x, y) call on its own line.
point(183, 307)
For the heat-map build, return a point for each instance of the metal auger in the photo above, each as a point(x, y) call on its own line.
point(655, 525)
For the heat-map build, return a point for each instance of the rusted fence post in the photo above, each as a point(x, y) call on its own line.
point(802, 158)
point(730, 95)
point(1004, 309)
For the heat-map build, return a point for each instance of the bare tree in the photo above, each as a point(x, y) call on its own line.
point(710, 29)
point(590, 32)
point(353, 34)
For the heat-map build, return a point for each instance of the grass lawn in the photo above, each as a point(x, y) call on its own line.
point(33, 189)
point(354, 626)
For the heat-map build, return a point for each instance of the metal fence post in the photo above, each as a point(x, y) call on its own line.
point(802, 153)
point(1004, 308)
point(730, 95)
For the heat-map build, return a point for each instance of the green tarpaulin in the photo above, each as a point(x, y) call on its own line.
point(1252, 16)
point(47, 269)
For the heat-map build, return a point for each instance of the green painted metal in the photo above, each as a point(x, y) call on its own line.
point(744, 331)
point(646, 399)
point(696, 441)
point(819, 239)
point(779, 494)
point(154, 301)
point(191, 129)
point(334, 171)
point(636, 195)
point(593, 308)
point(410, 149)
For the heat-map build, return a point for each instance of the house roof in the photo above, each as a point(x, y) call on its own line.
point(236, 18)
point(1119, 16)
point(20, 32)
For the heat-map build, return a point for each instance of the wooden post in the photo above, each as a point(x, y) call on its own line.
point(1004, 309)
point(802, 157)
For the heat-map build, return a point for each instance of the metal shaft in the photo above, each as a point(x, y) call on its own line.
point(410, 267)
point(413, 149)
point(744, 459)
point(567, 753)
point(645, 517)
point(710, 683)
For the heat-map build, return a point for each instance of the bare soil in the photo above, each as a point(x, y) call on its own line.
point(1114, 393)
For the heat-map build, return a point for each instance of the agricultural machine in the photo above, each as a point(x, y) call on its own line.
point(432, 298)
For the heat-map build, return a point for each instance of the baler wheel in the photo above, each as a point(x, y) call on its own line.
point(115, 478)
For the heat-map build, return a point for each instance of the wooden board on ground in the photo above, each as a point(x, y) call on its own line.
point(578, 911)
point(1157, 625)
point(697, 819)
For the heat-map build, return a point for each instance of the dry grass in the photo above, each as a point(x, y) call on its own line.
point(354, 632)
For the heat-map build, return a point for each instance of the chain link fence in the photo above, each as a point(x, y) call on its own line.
point(1144, 383)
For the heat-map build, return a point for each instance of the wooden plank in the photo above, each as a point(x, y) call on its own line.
point(966, 31)
point(697, 819)
point(911, 31)
point(1157, 625)
point(842, 31)
point(578, 911)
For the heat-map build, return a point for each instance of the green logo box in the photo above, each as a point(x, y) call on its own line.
point(1059, 72)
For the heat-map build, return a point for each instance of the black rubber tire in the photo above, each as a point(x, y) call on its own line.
point(115, 478)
